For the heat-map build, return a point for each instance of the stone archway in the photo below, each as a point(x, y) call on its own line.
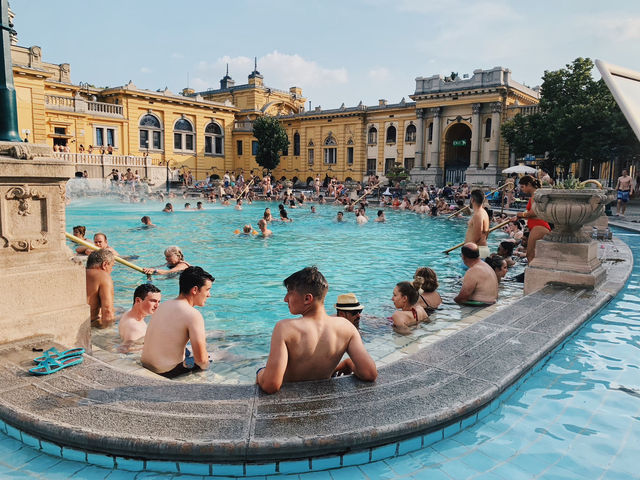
point(457, 152)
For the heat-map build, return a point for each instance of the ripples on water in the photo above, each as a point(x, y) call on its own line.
point(247, 296)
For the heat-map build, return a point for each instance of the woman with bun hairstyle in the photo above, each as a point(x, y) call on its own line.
point(499, 265)
point(405, 299)
point(425, 281)
point(537, 228)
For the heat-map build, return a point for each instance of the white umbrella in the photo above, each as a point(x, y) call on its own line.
point(519, 169)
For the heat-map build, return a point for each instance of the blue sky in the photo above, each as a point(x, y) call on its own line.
point(335, 50)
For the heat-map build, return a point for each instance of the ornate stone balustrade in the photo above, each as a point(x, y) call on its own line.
point(80, 105)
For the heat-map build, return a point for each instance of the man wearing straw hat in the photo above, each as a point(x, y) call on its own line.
point(348, 307)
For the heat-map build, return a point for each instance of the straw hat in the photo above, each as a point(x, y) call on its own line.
point(347, 302)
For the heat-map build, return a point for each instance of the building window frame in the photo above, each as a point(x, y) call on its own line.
point(487, 128)
point(254, 147)
point(150, 131)
point(101, 135)
point(330, 153)
point(296, 144)
point(430, 130)
point(239, 146)
point(213, 139)
point(372, 136)
point(184, 137)
point(410, 133)
point(310, 155)
point(391, 135)
point(350, 155)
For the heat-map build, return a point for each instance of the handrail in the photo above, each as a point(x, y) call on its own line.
point(486, 195)
point(84, 243)
point(500, 225)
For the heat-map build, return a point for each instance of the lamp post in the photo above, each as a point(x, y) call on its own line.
point(8, 102)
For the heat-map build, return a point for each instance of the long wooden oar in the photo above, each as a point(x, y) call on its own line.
point(371, 191)
point(246, 188)
point(500, 225)
point(469, 206)
point(84, 243)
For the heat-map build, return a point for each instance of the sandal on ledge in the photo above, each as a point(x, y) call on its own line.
point(51, 365)
point(57, 355)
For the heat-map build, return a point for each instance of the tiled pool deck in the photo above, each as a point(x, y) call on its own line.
point(120, 417)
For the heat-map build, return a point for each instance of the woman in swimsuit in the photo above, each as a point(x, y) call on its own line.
point(425, 281)
point(405, 299)
point(537, 228)
point(175, 262)
point(267, 215)
point(499, 265)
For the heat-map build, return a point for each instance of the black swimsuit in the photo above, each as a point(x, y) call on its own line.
point(429, 309)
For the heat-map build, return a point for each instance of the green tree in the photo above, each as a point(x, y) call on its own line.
point(578, 120)
point(272, 140)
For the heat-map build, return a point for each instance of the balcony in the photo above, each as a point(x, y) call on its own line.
point(81, 105)
point(246, 126)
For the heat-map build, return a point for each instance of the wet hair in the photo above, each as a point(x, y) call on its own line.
point(246, 228)
point(98, 257)
point(409, 291)
point(308, 280)
point(380, 213)
point(81, 229)
point(193, 277)
point(495, 261)
point(477, 196)
point(145, 219)
point(529, 180)
point(283, 213)
point(426, 279)
point(261, 222)
point(168, 205)
point(508, 246)
point(470, 252)
point(143, 290)
point(174, 249)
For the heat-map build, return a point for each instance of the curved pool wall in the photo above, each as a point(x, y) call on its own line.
point(247, 296)
point(442, 389)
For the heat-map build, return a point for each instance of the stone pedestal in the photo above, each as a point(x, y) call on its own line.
point(430, 176)
point(482, 176)
point(42, 292)
point(566, 263)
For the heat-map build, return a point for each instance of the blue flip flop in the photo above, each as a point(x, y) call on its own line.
point(57, 355)
point(51, 365)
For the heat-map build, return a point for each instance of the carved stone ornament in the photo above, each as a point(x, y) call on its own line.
point(24, 219)
point(436, 112)
point(496, 107)
point(476, 107)
point(25, 151)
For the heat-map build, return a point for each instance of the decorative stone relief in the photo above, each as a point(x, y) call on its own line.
point(25, 151)
point(24, 222)
point(496, 107)
point(476, 107)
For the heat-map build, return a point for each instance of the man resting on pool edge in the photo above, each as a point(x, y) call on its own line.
point(311, 347)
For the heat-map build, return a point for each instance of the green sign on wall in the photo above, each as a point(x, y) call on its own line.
point(459, 143)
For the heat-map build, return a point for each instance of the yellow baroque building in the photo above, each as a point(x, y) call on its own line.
point(449, 132)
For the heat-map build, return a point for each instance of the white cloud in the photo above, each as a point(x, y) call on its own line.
point(145, 70)
point(379, 74)
point(612, 29)
point(177, 55)
point(280, 70)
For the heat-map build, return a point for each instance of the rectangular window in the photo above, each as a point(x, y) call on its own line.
point(99, 137)
point(388, 164)
point(408, 163)
point(144, 139)
point(188, 140)
point(218, 143)
point(60, 130)
point(111, 137)
point(310, 155)
point(207, 145)
point(254, 147)
point(239, 147)
point(157, 144)
point(330, 155)
point(430, 137)
point(177, 141)
point(350, 155)
point(371, 166)
point(285, 152)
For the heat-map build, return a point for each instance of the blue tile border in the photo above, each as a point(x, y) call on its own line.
point(355, 458)
point(73, 454)
point(194, 468)
point(129, 464)
point(51, 448)
point(410, 445)
point(100, 460)
point(13, 433)
point(294, 466)
point(260, 469)
point(161, 466)
point(31, 441)
point(386, 451)
point(232, 470)
point(325, 463)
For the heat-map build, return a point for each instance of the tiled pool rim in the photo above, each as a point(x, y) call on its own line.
point(406, 438)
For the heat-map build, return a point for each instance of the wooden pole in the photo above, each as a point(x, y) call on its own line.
point(469, 206)
point(500, 225)
point(372, 189)
point(246, 188)
point(84, 243)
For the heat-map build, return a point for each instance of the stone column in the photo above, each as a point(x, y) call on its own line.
point(435, 146)
point(494, 144)
point(43, 291)
point(476, 132)
point(420, 153)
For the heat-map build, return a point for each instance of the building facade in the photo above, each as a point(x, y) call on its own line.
point(449, 133)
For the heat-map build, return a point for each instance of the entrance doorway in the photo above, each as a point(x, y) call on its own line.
point(457, 153)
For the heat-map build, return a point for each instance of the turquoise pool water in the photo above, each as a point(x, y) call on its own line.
point(247, 296)
point(577, 417)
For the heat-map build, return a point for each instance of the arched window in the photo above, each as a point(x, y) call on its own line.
point(410, 135)
point(150, 130)
point(296, 143)
point(373, 136)
point(487, 128)
point(285, 150)
point(391, 134)
point(330, 150)
point(213, 139)
point(430, 137)
point(183, 136)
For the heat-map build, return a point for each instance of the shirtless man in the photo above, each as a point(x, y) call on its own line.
point(146, 221)
point(177, 322)
point(311, 347)
point(262, 225)
point(100, 288)
point(480, 284)
point(146, 299)
point(478, 227)
point(624, 190)
point(100, 241)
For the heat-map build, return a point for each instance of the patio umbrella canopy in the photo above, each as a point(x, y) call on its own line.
point(519, 169)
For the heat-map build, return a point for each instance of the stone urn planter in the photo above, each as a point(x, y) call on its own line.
point(567, 255)
point(569, 210)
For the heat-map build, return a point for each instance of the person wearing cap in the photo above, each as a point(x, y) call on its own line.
point(348, 307)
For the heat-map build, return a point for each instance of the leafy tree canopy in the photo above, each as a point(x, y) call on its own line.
point(578, 119)
point(272, 140)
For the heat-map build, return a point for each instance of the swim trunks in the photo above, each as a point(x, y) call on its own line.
point(623, 195)
point(484, 251)
point(180, 369)
point(476, 303)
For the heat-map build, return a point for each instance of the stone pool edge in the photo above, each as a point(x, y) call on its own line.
point(260, 453)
